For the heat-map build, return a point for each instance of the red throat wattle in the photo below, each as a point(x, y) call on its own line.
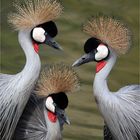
point(36, 47)
point(52, 117)
point(100, 65)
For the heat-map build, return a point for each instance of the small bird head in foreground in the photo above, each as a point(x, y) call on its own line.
point(56, 105)
point(54, 83)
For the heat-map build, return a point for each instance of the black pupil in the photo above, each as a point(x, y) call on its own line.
point(91, 44)
point(50, 28)
point(60, 99)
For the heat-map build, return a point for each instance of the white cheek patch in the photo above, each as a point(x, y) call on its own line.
point(49, 104)
point(38, 34)
point(102, 52)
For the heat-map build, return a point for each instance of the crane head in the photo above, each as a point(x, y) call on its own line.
point(54, 83)
point(44, 34)
point(95, 51)
point(56, 105)
point(107, 35)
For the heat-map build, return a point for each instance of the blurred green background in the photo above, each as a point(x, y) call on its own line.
point(86, 121)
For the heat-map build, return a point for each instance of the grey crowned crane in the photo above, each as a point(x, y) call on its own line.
point(33, 21)
point(121, 109)
point(44, 114)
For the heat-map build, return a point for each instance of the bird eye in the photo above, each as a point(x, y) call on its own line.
point(38, 34)
point(102, 52)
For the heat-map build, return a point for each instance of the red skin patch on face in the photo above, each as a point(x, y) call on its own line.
point(100, 65)
point(36, 47)
point(52, 117)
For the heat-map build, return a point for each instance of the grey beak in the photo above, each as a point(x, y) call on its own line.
point(52, 43)
point(67, 121)
point(84, 59)
point(62, 115)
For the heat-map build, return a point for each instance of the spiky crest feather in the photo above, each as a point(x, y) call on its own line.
point(110, 31)
point(34, 12)
point(57, 78)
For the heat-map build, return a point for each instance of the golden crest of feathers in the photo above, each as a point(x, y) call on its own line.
point(34, 12)
point(110, 31)
point(57, 78)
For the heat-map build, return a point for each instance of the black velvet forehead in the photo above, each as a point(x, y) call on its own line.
point(50, 27)
point(91, 44)
point(60, 99)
